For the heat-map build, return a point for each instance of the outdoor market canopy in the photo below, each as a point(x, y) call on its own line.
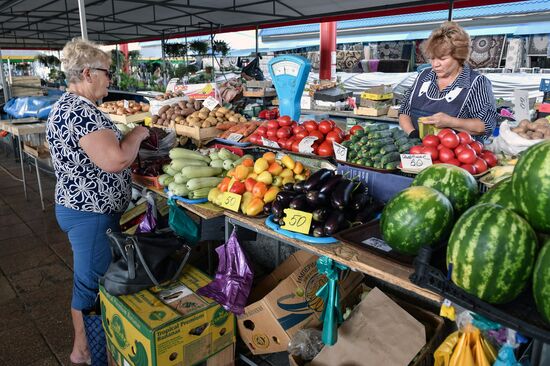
point(49, 24)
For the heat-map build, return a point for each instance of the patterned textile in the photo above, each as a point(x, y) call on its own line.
point(486, 51)
point(314, 59)
point(538, 45)
point(347, 60)
point(390, 50)
point(514, 54)
point(420, 58)
point(81, 185)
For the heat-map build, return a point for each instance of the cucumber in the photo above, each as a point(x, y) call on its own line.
point(377, 158)
point(200, 171)
point(398, 133)
point(387, 149)
point(381, 134)
point(388, 158)
point(391, 166)
point(403, 149)
point(380, 142)
point(181, 153)
point(198, 183)
point(402, 140)
point(376, 127)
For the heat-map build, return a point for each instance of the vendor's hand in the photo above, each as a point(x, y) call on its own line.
point(141, 132)
point(439, 120)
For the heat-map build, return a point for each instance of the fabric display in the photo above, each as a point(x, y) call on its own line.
point(538, 45)
point(390, 50)
point(347, 60)
point(315, 59)
point(514, 54)
point(419, 55)
point(486, 51)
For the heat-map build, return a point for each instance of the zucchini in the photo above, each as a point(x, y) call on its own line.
point(179, 164)
point(178, 189)
point(226, 154)
point(218, 163)
point(200, 171)
point(199, 193)
point(241, 159)
point(181, 153)
point(214, 155)
point(180, 179)
point(162, 179)
point(378, 165)
point(227, 164)
point(168, 180)
point(381, 134)
point(165, 168)
point(387, 149)
point(171, 171)
point(197, 183)
point(388, 158)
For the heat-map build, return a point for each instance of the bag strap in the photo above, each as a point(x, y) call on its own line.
point(182, 264)
point(143, 262)
point(130, 260)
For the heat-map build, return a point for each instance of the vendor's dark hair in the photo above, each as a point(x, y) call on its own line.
point(449, 39)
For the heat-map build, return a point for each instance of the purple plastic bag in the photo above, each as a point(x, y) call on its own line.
point(233, 281)
point(149, 222)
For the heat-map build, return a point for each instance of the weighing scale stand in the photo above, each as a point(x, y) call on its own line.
point(289, 74)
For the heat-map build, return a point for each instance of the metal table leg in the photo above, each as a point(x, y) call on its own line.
point(39, 182)
point(22, 166)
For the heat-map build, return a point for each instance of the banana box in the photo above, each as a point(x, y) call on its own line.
point(168, 326)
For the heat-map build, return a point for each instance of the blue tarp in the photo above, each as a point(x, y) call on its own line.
point(37, 107)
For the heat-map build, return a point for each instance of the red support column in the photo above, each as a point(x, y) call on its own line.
point(327, 68)
point(124, 50)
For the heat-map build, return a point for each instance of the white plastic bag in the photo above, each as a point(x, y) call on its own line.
point(510, 142)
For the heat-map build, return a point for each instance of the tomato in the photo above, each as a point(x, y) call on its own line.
point(325, 127)
point(332, 123)
point(355, 128)
point(436, 162)
point(284, 132)
point(311, 125)
point(489, 158)
point(300, 135)
point(454, 162)
point(480, 165)
point(284, 121)
point(477, 146)
point(469, 168)
point(439, 147)
point(465, 138)
point(261, 131)
point(432, 151)
point(450, 140)
point(325, 149)
point(293, 124)
point(445, 131)
point(272, 133)
point(297, 129)
point(459, 148)
point(339, 131)
point(333, 136)
point(287, 143)
point(295, 144)
point(315, 148)
point(272, 124)
point(255, 139)
point(446, 154)
point(416, 149)
point(467, 156)
point(318, 134)
point(430, 140)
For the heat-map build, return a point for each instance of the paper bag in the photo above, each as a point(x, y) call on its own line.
point(378, 332)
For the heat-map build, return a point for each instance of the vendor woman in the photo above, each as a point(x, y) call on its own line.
point(449, 94)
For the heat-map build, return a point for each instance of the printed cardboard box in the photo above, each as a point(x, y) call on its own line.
point(170, 326)
point(285, 302)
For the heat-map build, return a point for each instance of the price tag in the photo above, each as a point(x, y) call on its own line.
point(210, 103)
point(304, 146)
point(521, 105)
point(269, 143)
point(236, 137)
point(297, 221)
point(231, 201)
point(377, 243)
point(415, 162)
point(340, 151)
point(126, 104)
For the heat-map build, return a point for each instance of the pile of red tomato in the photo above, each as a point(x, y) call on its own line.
point(458, 149)
point(288, 134)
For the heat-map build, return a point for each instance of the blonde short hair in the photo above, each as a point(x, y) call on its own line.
point(79, 54)
point(449, 39)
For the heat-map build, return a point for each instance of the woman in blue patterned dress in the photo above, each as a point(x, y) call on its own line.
point(91, 160)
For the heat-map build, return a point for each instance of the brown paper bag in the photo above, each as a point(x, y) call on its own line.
point(378, 332)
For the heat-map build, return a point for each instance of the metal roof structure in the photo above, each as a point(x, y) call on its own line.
point(49, 24)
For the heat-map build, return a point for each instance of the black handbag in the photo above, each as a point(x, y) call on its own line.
point(142, 261)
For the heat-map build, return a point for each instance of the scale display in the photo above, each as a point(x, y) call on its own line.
point(289, 75)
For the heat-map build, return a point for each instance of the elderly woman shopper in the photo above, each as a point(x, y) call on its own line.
point(449, 94)
point(91, 161)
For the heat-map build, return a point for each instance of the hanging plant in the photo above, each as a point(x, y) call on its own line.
point(173, 50)
point(52, 61)
point(133, 57)
point(199, 47)
point(41, 59)
point(221, 47)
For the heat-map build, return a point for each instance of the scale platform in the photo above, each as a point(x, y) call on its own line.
point(332, 95)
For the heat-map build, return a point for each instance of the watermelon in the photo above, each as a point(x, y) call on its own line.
point(500, 194)
point(492, 253)
point(459, 186)
point(415, 217)
point(541, 282)
point(531, 186)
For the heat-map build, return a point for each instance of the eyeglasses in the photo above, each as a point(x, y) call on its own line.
point(108, 73)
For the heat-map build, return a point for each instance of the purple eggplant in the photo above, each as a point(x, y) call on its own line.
point(317, 179)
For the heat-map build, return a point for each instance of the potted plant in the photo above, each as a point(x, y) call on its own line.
point(221, 47)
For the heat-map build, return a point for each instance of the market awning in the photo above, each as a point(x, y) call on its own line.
point(48, 24)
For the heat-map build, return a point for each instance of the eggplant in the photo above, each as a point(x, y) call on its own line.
point(277, 208)
point(299, 186)
point(330, 184)
point(267, 208)
point(317, 179)
point(342, 194)
point(316, 199)
point(334, 222)
point(281, 221)
point(369, 212)
point(320, 214)
point(299, 203)
point(288, 187)
point(284, 198)
point(358, 201)
point(319, 232)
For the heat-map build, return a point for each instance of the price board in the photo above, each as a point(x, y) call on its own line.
point(269, 143)
point(235, 137)
point(340, 151)
point(305, 146)
point(210, 103)
point(377, 243)
point(415, 162)
point(231, 201)
point(297, 221)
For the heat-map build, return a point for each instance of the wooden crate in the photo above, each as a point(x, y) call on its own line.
point(373, 112)
point(129, 118)
point(149, 182)
point(259, 92)
point(26, 86)
point(197, 133)
point(40, 152)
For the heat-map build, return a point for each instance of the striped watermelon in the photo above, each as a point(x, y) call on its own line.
point(500, 194)
point(531, 186)
point(415, 217)
point(459, 186)
point(492, 252)
point(541, 281)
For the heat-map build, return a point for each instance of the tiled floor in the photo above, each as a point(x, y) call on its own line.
point(35, 274)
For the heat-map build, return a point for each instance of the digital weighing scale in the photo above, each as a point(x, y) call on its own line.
point(289, 75)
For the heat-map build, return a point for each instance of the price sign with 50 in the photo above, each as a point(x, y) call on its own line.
point(231, 201)
point(297, 221)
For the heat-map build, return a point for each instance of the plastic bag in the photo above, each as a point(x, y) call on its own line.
point(37, 107)
point(506, 357)
point(149, 222)
point(306, 344)
point(160, 147)
point(233, 281)
point(443, 353)
point(465, 348)
point(253, 69)
point(182, 224)
point(462, 354)
point(510, 142)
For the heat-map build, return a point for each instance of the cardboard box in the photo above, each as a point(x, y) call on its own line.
point(374, 112)
point(259, 92)
point(380, 92)
point(285, 302)
point(168, 326)
point(375, 103)
point(393, 111)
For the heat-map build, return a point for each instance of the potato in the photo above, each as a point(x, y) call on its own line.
point(212, 120)
point(197, 105)
point(191, 119)
point(195, 114)
point(220, 119)
point(222, 110)
point(155, 119)
point(203, 115)
point(204, 110)
point(163, 109)
point(182, 104)
point(205, 124)
point(537, 135)
point(524, 135)
point(233, 119)
point(186, 112)
point(219, 114)
point(242, 119)
point(195, 123)
point(212, 114)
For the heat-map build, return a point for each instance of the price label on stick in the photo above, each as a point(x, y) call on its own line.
point(340, 151)
point(415, 162)
point(304, 146)
point(231, 201)
point(210, 103)
point(235, 137)
point(269, 143)
point(297, 221)
point(126, 104)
